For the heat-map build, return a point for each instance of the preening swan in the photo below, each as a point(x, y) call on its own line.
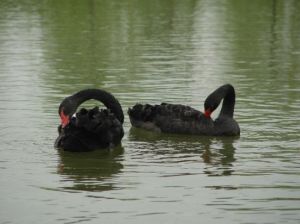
point(176, 118)
point(89, 129)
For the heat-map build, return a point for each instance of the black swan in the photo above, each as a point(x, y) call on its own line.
point(89, 129)
point(175, 118)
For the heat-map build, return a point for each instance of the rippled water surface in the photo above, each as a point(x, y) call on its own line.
point(149, 52)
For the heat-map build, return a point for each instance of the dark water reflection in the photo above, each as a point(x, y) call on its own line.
point(221, 161)
point(90, 171)
point(151, 51)
point(216, 152)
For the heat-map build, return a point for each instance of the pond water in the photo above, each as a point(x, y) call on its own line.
point(150, 52)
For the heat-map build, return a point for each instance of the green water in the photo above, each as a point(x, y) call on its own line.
point(149, 52)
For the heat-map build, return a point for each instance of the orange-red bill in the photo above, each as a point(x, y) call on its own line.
point(64, 119)
point(207, 113)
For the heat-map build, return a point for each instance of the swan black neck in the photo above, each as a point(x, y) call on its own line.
point(70, 104)
point(225, 92)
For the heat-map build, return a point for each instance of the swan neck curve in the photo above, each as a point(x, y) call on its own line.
point(228, 102)
point(74, 101)
point(225, 93)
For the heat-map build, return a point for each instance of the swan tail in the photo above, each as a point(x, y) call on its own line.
point(144, 113)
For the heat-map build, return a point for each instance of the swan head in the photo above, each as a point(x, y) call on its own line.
point(214, 99)
point(209, 107)
point(66, 110)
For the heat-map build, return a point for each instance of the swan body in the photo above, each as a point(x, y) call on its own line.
point(181, 119)
point(89, 129)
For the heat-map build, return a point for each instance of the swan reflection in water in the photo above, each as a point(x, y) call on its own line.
point(92, 171)
point(219, 159)
point(217, 153)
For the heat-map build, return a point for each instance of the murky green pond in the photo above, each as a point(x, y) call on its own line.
point(149, 52)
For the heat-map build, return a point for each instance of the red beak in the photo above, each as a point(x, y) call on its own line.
point(207, 113)
point(64, 119)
